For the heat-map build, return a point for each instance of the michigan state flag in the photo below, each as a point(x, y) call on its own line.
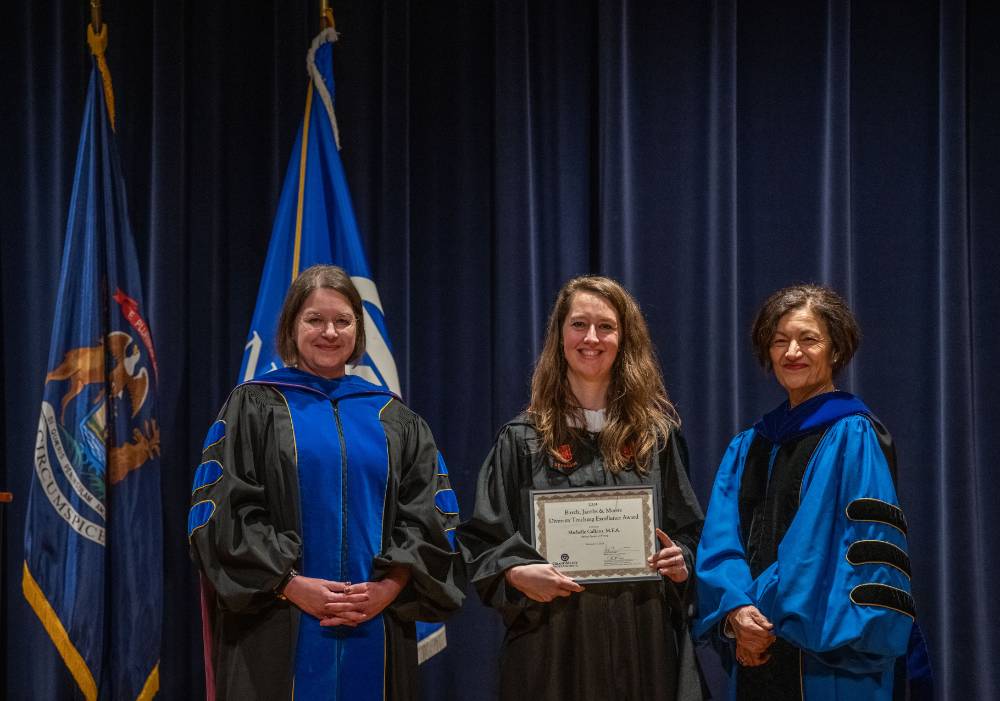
point(93, 564)
point(315, 224)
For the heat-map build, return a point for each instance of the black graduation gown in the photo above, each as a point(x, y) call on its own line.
point(252, 537)
point(611, 641)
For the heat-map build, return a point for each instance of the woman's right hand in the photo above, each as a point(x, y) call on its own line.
point(336, 603)
point(752, 629)
point(541, 582)
point(750, 659)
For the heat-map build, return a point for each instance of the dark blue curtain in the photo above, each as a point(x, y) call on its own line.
point(704, 153)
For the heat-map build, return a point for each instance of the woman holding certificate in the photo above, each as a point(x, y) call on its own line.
point(803, 575)
point(598, 438)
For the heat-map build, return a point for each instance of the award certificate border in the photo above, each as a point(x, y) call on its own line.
point(541, 497)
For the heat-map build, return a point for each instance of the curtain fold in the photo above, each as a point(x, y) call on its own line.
point(721, 369)
point(835, 197)
point(703, 153)
point(960, 506)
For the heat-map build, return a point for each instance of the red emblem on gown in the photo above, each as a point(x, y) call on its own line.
point(566, 460)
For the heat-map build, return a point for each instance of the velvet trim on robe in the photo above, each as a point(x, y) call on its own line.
point(786, 423)
point(846, 621)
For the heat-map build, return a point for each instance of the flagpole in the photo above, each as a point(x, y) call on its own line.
point(5, 498)
point(326, 15)
point(95, 15)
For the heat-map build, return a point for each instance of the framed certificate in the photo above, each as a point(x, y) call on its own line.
point(601, 534)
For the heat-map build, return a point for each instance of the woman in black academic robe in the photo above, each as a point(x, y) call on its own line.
point(599, 416)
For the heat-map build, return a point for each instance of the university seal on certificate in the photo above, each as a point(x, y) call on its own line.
point(596, 534)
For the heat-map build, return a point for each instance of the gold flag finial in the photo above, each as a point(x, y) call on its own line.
point(97, 38)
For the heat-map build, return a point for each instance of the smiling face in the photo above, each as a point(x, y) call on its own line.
point(590, 339)
point(801, 355)
point(325, 333)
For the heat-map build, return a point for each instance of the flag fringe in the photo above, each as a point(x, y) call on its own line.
point(60, 638)
point(152, 685)
point(431, 645)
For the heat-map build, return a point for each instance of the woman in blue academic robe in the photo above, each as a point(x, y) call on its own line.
point(803, 573)
point(319, 519)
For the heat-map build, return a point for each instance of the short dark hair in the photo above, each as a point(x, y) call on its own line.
point(331, 277)
point(845, 334)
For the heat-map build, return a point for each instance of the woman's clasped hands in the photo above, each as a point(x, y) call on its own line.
point(344, 603)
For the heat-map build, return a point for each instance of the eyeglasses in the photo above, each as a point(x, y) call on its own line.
point(319, 324)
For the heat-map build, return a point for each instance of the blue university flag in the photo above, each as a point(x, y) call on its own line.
point(315, 224)
point(93, 537)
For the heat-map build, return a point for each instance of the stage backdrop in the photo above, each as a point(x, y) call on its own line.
point(704, 153)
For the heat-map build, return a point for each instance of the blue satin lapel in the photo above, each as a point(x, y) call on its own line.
point(321, 484)
point(335, 389)
point(342, 510)
point(367, 480)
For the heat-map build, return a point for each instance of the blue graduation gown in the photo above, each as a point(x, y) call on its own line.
point(836, 581)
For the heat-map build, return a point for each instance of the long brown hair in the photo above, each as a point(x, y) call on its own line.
point(640, 415)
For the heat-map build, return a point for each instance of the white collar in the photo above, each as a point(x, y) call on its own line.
point(594, 420)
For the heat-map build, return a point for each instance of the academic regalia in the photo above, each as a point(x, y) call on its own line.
point(804, 524)
point(611, 641)
point(339, 480)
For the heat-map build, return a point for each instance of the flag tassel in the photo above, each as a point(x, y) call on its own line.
point(327, 35)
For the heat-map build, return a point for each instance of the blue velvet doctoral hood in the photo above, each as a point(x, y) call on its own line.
point(335, 389)
point(784, 423)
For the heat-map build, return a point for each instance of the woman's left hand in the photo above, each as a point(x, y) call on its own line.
point(381, 593)
point(669, 561)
